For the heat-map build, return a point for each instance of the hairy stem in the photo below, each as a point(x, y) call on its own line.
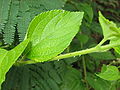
point(86, 51)
point(82, 52)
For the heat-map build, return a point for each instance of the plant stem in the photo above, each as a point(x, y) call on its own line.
point(115, 62)
point(103, 40)
point(85, 72)
point(82, 52)
point(84, 69)
point(21, 62)
point(86, 51)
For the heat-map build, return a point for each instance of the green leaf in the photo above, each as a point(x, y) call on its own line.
point(102, 55)
point(9, 29)
point(83, 38)
point(109, 73)
point(110, 30)
point(49, 5)
point(72, 80)
point(51, 32)
point(24, 18)
point(40, 76)
point(99, 84)
point(117, 40)
point(4, 7)
point(87, 9)
point(8, 58)
point(96, 28)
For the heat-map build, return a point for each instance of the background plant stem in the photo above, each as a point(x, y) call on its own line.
point(84, 69)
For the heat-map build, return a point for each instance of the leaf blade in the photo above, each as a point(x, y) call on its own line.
point(110, 31)
point(9, 58)
point(108, 26)
point(109, 73)
point(52, 33)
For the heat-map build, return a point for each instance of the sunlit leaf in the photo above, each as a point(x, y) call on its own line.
point(110, 31)
point(51, 32)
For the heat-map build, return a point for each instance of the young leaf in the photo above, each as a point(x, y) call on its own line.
point(8, 58)
point(110, 30)
point(109, 73)
point(51, 32)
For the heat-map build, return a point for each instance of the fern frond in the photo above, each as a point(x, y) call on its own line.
point(9, 29)
point(21, 12)
point(38, 6)
point(4, 8)
point(34, 77)
point(23, 19)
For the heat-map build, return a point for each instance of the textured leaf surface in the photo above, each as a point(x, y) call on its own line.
point(51, 32)
point(17, 14)
point(8, 58)
point(109, 73)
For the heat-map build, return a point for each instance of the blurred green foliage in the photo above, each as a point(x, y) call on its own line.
point(76, 73)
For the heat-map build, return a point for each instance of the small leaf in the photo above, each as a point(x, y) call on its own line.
point(110, 30)
point(51, 32)
point(109, 73)
point(8, 58)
